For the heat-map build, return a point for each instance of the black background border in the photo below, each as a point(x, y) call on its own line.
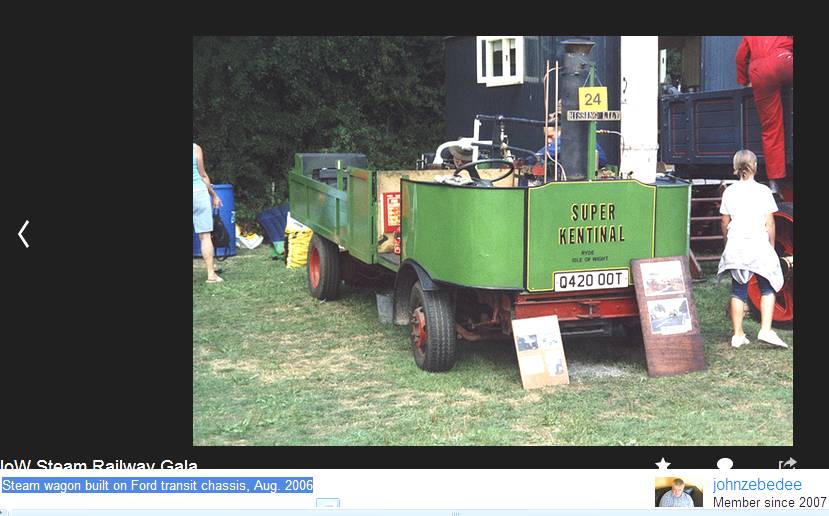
point(97, 357)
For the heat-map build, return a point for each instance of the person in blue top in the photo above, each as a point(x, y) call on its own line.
point(202, 214)
point(676, 497)
point(553, 139)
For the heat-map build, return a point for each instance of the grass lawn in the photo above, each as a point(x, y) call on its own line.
point(274, 366)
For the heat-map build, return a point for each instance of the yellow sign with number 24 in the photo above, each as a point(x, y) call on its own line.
point(593, 98)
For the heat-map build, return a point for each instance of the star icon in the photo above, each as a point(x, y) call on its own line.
point(662, 464)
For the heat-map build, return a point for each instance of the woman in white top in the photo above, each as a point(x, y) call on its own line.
point(747, 210)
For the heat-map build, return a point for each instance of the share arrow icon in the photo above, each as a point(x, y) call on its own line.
point(20, 234)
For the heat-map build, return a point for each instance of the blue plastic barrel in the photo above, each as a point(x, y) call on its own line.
point(228, 214)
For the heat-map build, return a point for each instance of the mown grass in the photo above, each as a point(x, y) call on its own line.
point(273, 366)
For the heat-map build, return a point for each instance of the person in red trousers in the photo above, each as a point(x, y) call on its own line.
point(765, 63)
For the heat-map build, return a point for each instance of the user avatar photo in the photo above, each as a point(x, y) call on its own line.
point(527, 342)
point(678, 492)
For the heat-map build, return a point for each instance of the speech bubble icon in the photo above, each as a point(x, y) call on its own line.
point(725, 463)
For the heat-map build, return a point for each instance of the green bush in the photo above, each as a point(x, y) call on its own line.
point(259, 100)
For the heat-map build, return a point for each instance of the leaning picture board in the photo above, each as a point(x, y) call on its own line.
point(673, 344)
point(540, 351)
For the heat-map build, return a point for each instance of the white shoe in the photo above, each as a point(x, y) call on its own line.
point(770, 337)
point(736, 341)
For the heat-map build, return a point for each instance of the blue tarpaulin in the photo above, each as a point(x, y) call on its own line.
point(273, 222)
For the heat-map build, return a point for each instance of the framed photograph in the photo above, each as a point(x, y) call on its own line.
point(527, 342)
point(669, 316)
point(548, 340)
point(554, 363)
point(661, 278)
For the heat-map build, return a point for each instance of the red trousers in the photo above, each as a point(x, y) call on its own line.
point(768, 76)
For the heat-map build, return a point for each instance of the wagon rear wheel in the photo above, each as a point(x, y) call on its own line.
point(323, 268)
point(784, 245)
point(432, 329)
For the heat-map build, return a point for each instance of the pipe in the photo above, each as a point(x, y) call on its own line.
point(463, 142)
point(476, 131)
point(555, 124)
point(546, 114)
point(500, 118)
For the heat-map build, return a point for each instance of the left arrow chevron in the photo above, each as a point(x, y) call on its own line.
point(20, 234)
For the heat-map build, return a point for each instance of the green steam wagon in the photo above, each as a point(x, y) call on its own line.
point(471, 256)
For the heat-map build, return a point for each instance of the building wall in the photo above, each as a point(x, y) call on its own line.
point(719, 71)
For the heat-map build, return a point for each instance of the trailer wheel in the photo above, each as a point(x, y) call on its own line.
point(323, 268)
point(783, 314)
point(432, 329)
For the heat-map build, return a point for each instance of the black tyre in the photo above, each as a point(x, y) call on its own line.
point(432, 329)
point(323, 268)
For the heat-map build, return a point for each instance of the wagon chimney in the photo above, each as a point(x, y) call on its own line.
point(575, 67)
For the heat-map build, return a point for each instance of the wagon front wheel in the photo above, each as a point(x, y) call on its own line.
point(323, 268)
point(432, 329)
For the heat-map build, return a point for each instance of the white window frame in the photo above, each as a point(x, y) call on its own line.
point(486, 76)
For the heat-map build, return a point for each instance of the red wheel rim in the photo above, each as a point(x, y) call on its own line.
point(314, 267)
point(784, 245)
point(419, 329)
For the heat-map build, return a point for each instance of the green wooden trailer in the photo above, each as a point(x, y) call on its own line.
point(470, 259)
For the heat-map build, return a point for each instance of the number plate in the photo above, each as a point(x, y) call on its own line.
point(591, 280)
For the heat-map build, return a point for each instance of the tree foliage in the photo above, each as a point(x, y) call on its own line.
point(674, 65)
point(259, 100)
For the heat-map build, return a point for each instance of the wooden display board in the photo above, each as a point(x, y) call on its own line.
point(673, 344)
point(540, 352)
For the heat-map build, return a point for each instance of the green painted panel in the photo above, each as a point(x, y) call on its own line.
point(462, 235)
point(298, 196)
point(584, 225)
point(361, 232)
point(672, 220)
point(316, 205)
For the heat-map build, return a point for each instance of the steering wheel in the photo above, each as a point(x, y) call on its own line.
point(471, 169)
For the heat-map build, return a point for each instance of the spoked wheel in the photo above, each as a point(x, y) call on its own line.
point(432, 329)
point(323, 268)
point(784, 245)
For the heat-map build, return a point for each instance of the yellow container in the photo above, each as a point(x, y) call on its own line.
point(298, 241)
